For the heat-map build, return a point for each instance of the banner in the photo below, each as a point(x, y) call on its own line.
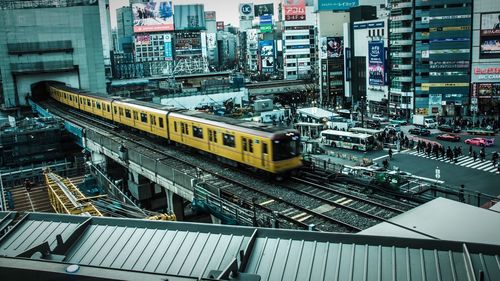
point(211, 41)
point(376, 63)
point(220, 25)
point(336, 5)
point(152, 16)
point(210, 15)
point(334, 47)
point(266, 24)
point(294, 10)
point(489, 46)
point(265, 9)
point(167, 40)
point(323, 54)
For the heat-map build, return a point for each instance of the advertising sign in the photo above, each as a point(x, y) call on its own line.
point(211, 41)
point(155, 15)
point(294, 10)
point(142, 39)
point(265, 9)
point(486, 72)
point(336, 5)
point(210, 15)
point(334, 47)
point(376, 63)
point(246, 11)
point(489, 38)
point(220, 25)
point(266, 24)
point(167, 40)
point(187, 44)
point(266, 50)
point(189, 17)
point(323, 54)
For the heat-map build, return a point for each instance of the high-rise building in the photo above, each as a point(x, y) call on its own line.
point(125, 29)
point(485, 99)
point(401, 52)
point(58, 41)
point(442, 56)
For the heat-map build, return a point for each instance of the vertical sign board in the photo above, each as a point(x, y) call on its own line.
point(376, 63)
point(295, 10)
point(323, 54)
point(246, 11)
point(219, 25)
point(266, 24)
point(266, 50)
point(210, 15)
point(489, 37)
point(153, 16)
point(167, 41)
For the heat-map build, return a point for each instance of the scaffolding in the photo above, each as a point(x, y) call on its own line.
point(66, 198)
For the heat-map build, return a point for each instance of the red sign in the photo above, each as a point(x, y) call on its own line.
point(220, 25)
point(489, 70)
point(294, 8)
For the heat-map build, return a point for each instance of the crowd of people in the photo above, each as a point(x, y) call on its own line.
point(487, 123)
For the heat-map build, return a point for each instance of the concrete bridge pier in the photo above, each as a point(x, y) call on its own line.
point(175, 205)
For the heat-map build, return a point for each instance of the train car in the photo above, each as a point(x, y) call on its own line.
point(97, 105)
point(147, 117)
point(65, 95)
point(256, 145)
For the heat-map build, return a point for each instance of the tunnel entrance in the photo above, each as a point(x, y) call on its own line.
point(39, 90)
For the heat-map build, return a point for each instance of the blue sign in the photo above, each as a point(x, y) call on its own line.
point(246, 9)
point(336, 5)
point(267, 19)
point(376, 63)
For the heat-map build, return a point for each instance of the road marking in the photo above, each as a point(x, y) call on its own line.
point(385, 156)
point(266, 202)
point(428, 179)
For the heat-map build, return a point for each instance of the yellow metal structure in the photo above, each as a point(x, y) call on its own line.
point(162, 217)
point(66, 198)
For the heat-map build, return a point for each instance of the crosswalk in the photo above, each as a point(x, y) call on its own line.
point(464, 161)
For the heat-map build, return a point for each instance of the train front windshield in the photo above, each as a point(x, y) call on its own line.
point(286, 148)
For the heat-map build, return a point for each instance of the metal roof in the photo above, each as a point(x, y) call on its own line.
point(443, 219)
point(127, 248)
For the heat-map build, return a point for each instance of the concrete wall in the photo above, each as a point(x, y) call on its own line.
point(80, 25)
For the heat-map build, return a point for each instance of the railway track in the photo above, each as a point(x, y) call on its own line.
point(267, 205)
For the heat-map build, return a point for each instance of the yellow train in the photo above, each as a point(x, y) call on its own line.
point(256, 145)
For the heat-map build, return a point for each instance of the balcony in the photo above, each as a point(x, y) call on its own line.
point(401, 42)
point(401, 54)
point(401, 30)
point(402, 66)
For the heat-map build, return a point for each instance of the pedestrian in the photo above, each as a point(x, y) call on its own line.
point(386, 164)
point(390, 153)
point(456, 155)
point(474, 155)
point(482, 154)
point(470, 150)
point(418, 147)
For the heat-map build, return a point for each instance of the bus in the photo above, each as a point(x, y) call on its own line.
point(372, 132)
point(348, 140)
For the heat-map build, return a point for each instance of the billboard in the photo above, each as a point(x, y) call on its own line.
point(142, 39)
point(266, 24)
point(210, 15)
point(266, 50)
point(187, 44)
point(265, 9)
point(220, 25)
point(246, 11)
point(294, 10)
point(322, 48)
point(376, 63)
point(189, 17)
point(489, 38)
point(336, 5)
point(334, 47)
point(155, 15)
point(211, 41)
point(167, 43)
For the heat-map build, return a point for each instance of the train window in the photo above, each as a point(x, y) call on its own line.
point(93, 103)
point(65, 96)
point(264, 148)
point(182, 128)
point(153, 119)
point(98, 105)
point(88, 102)
point(136, 116)
point(81, 101)
point(215, 136)
point(228, 140)
point(198, 132)
point(175, 126)
point(144, 117)
point(121, 111)
point(161, 122)
point(127, 113)
point(114, 109)
point(107, 107)
point(250, 146)
point(71, 98)
point(210, 135)
point(244, 144)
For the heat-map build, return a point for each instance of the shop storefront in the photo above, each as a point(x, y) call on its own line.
point(486, 88)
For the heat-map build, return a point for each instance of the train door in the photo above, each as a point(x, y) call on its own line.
point(244, 150)
point(183, 131)
point(212, 140)
point(265, 155)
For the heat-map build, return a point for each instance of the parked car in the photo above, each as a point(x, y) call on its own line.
point(419, 131)
point(399, 121)
point(379, 117)
point(395, 127)
point(373, 124)
point(449, 129)
point(448, 137)
point(480, 141)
